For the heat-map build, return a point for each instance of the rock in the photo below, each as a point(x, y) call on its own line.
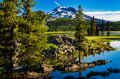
point(109, 61)
point(84, 65)
point(91, 65)
point(100, 62)
point(96, 62)
point(69, 50)
point(47, 68)
point(67, 44)
point(73, 66)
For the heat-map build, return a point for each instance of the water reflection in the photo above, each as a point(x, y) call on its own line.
point(98, 72)
point(80, 77)
point(103, 73)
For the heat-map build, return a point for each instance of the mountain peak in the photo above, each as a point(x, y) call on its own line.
point(63, 12)
point(69, 12)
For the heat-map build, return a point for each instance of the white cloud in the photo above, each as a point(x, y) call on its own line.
point(57, 3)
point(106, 15)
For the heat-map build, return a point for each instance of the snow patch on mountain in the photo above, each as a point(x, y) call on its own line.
point(64, 12)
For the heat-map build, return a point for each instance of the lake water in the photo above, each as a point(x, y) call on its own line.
point(113, 56)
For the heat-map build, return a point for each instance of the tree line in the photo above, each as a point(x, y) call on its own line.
point(93, 30)
point(64, 24)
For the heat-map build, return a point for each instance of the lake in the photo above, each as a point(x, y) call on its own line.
point(97, 72)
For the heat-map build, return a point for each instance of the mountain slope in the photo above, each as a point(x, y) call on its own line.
point(64, 12)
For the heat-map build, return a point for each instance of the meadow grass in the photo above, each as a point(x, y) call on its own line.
point(60, 32)
point(97, 38)
point(73, 32)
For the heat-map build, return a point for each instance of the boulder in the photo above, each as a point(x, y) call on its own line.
point(91, 65)
point(69, 50)
point(83, 65)
point(47, 68)
point(73, 66)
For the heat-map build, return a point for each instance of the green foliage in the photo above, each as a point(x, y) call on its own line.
point(27, 5)
point(63, 24)
point(108, 28)
point(32, 36)
point(92, 30)
point(103, 73)
point(8, 34)
point(80, 33)
point(93, 26)
point(103, 27)
point(97, 31)
point(89, 31)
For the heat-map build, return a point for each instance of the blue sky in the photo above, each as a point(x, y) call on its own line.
point(88, 5)
point(106, 9)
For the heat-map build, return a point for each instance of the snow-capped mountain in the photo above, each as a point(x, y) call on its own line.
point(64, 12)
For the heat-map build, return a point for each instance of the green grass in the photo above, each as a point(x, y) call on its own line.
point(103, 38)
point(60, 32)
point(71, 32)
point(97, 38)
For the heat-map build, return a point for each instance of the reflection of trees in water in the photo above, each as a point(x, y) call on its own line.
point(92, 73)
point(80, 77)
point(103, 73)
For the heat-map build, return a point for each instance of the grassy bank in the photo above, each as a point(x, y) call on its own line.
point(60, 32)
point(98, 38)
point(103, 38)
point(74, 31)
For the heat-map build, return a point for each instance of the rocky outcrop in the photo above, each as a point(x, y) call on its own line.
point(63, 42)
point(67, 45)
point(85, 65)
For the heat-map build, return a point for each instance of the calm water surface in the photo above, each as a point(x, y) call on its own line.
point(113, 56)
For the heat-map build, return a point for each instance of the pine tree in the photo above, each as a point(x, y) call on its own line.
point(80, 34)
point(103, 27)
point(32, 37)
point(93, 26)
point(91, 33)
point(97, 31)
point(8, 34)
point(108, 28)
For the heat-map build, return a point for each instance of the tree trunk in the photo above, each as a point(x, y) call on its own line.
point(79, 57)
point(11, 65)
point(27, 70)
